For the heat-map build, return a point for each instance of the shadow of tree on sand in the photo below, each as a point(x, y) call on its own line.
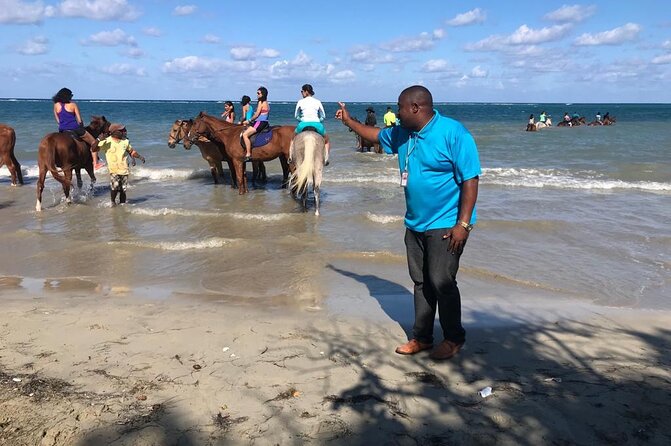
point(569, 382)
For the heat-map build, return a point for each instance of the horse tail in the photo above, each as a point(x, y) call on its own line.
point(303, 174)
point(46, 159)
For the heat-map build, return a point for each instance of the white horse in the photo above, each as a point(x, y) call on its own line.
point(542, 125)
point(307, 152)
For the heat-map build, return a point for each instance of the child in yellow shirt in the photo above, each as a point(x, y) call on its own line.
point(116, 148)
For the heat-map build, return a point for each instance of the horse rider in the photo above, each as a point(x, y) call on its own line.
point(310, 112)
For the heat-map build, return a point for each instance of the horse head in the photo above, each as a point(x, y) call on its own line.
point(179, 131)
point(197, 130)
point(99, 126)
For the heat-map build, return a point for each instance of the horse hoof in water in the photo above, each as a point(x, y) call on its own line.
point(38, 206)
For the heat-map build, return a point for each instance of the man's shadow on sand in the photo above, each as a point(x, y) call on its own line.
point(394, 299)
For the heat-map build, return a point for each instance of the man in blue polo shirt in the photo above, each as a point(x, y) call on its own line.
point(439, 171)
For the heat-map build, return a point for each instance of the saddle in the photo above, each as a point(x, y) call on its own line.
point(260, 138)
point(73, 134)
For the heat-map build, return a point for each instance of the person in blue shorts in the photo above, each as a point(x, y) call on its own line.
point(439, 168)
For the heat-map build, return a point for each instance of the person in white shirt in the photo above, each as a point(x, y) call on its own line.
point(310, 113)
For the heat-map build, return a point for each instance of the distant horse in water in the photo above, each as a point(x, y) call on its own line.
point(229, 135)
point(64, 151)
point(7, 158)
point(542, 125)
point(307, 152)
point(364, 145)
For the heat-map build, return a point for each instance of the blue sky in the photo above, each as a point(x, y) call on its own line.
point(465, 51)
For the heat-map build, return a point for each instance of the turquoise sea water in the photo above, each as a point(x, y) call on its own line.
point(581, 211)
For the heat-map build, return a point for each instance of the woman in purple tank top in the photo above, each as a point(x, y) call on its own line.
point(68, 118)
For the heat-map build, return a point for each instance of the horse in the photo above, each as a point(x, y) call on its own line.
point(212, 151)
point(308, 153)
point(230, 136)
point(364, 145)
point(60, 149)
point(542, 125)
point(7, 158)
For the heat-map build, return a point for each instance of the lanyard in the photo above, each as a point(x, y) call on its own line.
point(413, 137)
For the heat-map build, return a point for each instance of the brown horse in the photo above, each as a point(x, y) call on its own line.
point(7, 158)
point(364, 145)
point(213, 152)
point(229, 135)
point(64, 151)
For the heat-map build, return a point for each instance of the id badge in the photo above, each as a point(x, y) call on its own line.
point(404, 179)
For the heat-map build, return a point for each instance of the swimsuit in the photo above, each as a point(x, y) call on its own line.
point(68, 121)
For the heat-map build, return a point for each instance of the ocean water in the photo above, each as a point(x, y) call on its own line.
point(584, 212)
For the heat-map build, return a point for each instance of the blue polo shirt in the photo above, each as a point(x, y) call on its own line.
point(439, 159)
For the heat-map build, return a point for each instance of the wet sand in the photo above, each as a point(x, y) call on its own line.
point(129, 367)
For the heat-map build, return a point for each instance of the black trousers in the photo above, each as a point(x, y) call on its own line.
point(433, 269)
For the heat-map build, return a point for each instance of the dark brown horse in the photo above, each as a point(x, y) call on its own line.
point(69, 153)
point(7, 158)
point(229, 135)
point(364, 145)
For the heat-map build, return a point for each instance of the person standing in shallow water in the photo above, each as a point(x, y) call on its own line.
point(116, 148)
point(440, 168)
point(68, 118)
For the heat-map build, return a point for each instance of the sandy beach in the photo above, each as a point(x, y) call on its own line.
point(82, 364)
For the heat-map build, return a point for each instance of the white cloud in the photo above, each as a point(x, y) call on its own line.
point(110, 38)
point(152, 31)
point(98, 9)
point(471, 17)
point(573, 13)
point(522, 36)
point(251, 53)
point(425, 41)
point(436, 66)
point(667, 44)
point(23, 13)
point(211, 38)
point(135, 53)
point(34, 47)
point(342, 77)
point(624, 33)
point(123, 69)
point(662, 60)
point(202, 67)
point(269, 53)
point(479, 72)
point(184, 10)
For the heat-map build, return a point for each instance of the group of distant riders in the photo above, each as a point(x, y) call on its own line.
point(544, 120)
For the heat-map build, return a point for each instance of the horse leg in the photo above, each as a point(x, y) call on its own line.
point(78, 172)
point(262, 172)
point(89, 170)
point(213, 171)
point(67, 183)
point(40, 187)
point(220, 172)
point(317, 181)
point(231, 170)
point(285, 171)
point(17, 167)
point(241, 177)
point(304, 199)
point(316, 192)
point(7, 161)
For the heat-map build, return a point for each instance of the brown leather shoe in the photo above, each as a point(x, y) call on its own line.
point(411, 347)
point(445, 350)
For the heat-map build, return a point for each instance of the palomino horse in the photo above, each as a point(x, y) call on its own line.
point(64, 151)
point(7, 158)
point(229, 135)
point(307, 152)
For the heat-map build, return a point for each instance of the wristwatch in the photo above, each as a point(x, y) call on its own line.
point(467, 226)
